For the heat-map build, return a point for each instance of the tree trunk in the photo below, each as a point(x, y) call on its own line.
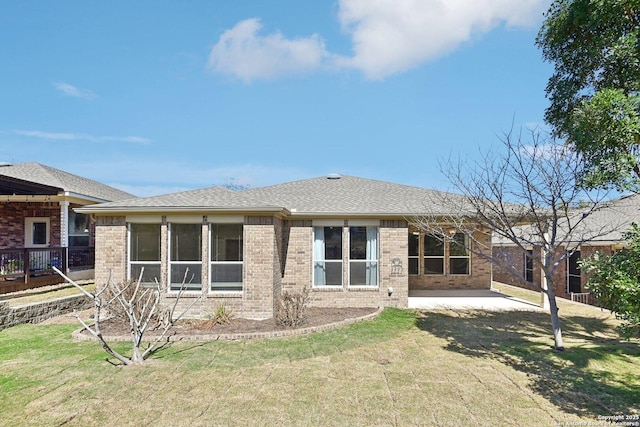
point(555, 319)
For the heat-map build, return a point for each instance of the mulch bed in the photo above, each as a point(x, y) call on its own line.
point(238, 327)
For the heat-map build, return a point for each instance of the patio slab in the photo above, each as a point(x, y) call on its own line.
point(467, 300)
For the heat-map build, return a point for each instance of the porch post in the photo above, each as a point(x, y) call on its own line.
point(64, 223)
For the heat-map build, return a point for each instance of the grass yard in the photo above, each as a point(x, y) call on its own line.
point(404, 368)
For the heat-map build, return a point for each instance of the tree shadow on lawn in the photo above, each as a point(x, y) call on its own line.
point(597, 374)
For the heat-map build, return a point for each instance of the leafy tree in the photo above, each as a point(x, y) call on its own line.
point(615, 282)
point(524, 195)
point(595, 48)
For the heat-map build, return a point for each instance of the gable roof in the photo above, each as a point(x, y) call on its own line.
point(604, 225)
point(316, 197)
point(35, 175)
point(343, 194)
point(201, 200)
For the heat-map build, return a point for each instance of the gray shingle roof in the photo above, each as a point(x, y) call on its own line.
point(320, 196)
point(195, 200)
point(45, 175)
point(351, 195)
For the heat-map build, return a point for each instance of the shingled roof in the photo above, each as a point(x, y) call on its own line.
point(333, 195)
point(35, 173)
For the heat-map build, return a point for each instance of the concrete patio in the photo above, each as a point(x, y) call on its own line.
point(467, 299)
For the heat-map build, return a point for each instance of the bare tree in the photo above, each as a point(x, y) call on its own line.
point(526, 194)
point(136, 304)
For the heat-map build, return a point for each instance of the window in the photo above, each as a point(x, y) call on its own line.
point(78, 229)
point(185, 257)
point(574, 276)
point(459, 254)
point(226, 257)
point(528, 266)
point(433, 255)
point(144, 252)
point(36, 232)
point(327, 256)
point(363, 256)
point(414, 257)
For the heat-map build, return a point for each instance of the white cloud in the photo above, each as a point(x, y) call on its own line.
point(70, 90)
point(245, 54)
point(394, 36)
point(60, 136)
point(388, 37)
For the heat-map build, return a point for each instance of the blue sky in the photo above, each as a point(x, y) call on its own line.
point(160, 96)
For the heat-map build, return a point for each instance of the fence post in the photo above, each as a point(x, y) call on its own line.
point(65, 260)
point(25, 264)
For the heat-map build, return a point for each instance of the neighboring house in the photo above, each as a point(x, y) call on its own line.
point(39, 228)
point(608, 223)
point(348, 239)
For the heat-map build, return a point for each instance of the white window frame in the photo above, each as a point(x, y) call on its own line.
point(467, 243)
point(214, 263)
point(440, 257)
point(367, 260)
point(189, 287)
point(29, 223)
point(129, 251)
point(319, 258)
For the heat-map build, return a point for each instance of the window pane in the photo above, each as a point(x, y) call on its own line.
point(413, 265)
point(434, 266)
point(39, 236)
point(363, 273)
point(78, 240)
point(433, 246)
point(78, 223)
point(528, 265)
point(357, 242)
point(327, 273)
point(186, 242)
point(191, 274)
point(414, 243)
point(145, 242)
point(226, 242)
point(226, 277)
point(333, 243)
point(459, 245)
point(151, 272)
point(459, 265)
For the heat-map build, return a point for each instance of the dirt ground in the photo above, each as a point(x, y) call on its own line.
point(193, 327)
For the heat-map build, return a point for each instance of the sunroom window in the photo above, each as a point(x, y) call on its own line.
point(327, 256)
point(144, 252)
point(414, 255)
point(363, 256)
point(459, 254)
point(185, 257)
point(433, 255)
point(226, 257)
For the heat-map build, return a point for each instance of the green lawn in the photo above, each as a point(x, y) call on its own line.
point(404, 368)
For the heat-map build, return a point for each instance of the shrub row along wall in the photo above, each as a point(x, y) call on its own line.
point(36, 313)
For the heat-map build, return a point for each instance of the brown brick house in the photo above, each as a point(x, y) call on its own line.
point(39, 227)
point(348, 239)
point(608, 225)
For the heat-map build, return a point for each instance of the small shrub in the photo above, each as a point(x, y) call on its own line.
point(221, 316)
point(291, 308)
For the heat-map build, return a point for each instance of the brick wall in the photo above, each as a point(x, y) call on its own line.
point(13, 214)
point(515, 257)
point(298, 271)
point(111, 249)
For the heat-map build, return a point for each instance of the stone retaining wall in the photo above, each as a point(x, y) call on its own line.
point(38, 312)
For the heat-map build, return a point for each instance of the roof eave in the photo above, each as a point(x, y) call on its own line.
point(96, 210)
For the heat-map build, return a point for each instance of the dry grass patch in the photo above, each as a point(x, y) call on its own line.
point(403, 368)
